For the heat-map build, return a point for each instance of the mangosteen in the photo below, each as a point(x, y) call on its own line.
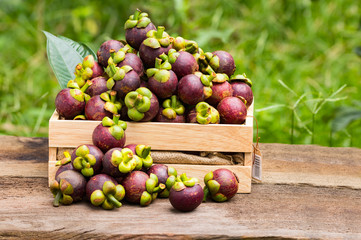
point(183, 63)
point(136, 28)
point(110, 133)
point(143, 152)
point(98, 86)
point(103, 190)
point(221, 185)
point(186, 194)
point(104, 51)
point(203, 113)
point(70, 101)
point(142, 105)
point(124, 160)
point(195, 88)
point(103, 105)
point(232, 110)
point(122, 79)
point(132, 59)
point(141, 188)
point(172, 110)
point(221, 62)
point(166, 175)
point(87, 70)
point(65, 164)
point(221, 89)
point(241, 86)
point(68, 187)
point(108, 167)
point(157, 42)
point(87, 159)
point(162, 81)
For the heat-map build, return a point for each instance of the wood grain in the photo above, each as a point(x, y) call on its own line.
point(283, 206)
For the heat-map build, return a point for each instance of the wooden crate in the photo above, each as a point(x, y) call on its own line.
point(166, 136)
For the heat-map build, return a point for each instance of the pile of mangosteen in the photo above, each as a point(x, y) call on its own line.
point(150, 76)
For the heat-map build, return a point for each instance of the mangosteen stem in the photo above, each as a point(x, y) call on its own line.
point(86, 85)
point(158, 63)
point(159, 33)
point(136, 14)
point(114, 201)
point(57, 199)
point(113, 69)
point(113, 96)
point(116, 118)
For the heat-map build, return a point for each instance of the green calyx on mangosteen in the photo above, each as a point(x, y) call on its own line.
point(125, 160)
point(87, 159)
point(166, 175)
point(203, 113)
point(142, 104)
point(87, 70)
point(172, 108)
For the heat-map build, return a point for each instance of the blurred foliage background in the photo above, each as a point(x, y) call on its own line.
point(299, 55)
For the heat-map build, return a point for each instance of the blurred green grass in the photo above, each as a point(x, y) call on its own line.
point(308, 45)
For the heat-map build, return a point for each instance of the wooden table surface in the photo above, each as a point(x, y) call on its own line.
point(308, 192)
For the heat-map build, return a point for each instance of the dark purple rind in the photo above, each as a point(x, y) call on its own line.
point(96, 152)
point(185, 64)
point(135, 36)
point(67, 106)
point(103, 52)
point(187, 199)
point(98, 86)
point(134, 61)
point(94, 109)
point(190, 90)
point(161, 118)
point(241, 89)
point(148, 54)
point(97, 70)
point(134, 185)
point(96, 183)
point(153, 110)
point(192, 116)
point(161, 171)
point(232, 110)
point(76, 180)
point(228, 182)
point(63, 168)
point(108, 167)
point(226, 63)
point(102, 138)
point(130, 82)
point(219, 91)
point(164, 89)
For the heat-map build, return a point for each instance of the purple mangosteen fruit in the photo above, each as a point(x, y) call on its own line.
point(157, 42)
point(162, 81)
point(104, 51)
point(70, 102)
point(110, 133)
point(232, 110)
point(87, 159)
point(117, 163)
point(181, 44)
point(172, 110)
point(141, 188)
point(221, 62)
point(87, 70)
point(241, 86)
point(183, 63)
point(98, 86)
point(136, 28)
point(166, 175)
point(186, 194)
point(68, 187)
point(103, 190)
point(203, 113)
point(65, 164)
point(108, 167)
point(132, 59)
point(221, 185)
point(221, 89)
point(103, 105)
point(122, 79)
point(142, 105)
point(195, 88)
point(143, 152)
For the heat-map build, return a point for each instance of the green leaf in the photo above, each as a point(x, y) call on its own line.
point(62, 58)
point(345, 117)
point(83, 49)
